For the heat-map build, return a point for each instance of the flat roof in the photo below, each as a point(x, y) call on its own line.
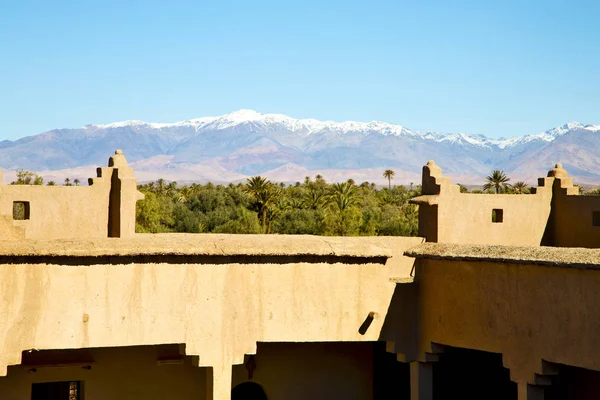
point(540, 255)
point(197, 244)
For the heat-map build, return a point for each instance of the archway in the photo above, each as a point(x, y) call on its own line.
point(248, 391)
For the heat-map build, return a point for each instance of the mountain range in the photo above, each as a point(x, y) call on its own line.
point(244, 143)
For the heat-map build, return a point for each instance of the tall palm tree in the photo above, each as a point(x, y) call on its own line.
point(389, 174)
point(497, 180)
point(76, 182)
point(264, 193)
point(520, 187)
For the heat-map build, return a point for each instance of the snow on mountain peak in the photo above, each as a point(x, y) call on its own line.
point(243, 115)
point(561, 130)
point(593, 128)
point(305, 127)
point(546, 136)
point(120, 124)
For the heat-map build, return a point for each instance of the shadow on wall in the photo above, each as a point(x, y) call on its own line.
point(471, 374)
point(399, 326)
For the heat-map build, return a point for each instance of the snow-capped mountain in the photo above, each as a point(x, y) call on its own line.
point(244, 143)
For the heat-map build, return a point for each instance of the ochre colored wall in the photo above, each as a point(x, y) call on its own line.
point(106, 208)
point(59, 212)
point(318, 371)
point(466, 218)
point(220, 311)
point(286, 371)
point(118, 374)
point(572, 220)
point(526, 312)
point(448, 216)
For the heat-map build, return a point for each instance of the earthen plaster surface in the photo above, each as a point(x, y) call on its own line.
point(205, 244)
point(542, 255)
point(531, 314)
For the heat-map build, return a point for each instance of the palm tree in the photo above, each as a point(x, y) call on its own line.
point(264, 193)
point(389, 174)
point(76, 182)
point(341, 197)
point(313, 199)
point(497, 180)
point(68, 182)
point(183, 195)
point(520, 187)
point(161, 186)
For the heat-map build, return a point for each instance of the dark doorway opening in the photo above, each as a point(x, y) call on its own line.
point(391, 378)
point(573, 383)
point(248, 391)
point(472, 374)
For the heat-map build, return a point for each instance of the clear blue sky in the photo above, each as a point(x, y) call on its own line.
point(498, 68)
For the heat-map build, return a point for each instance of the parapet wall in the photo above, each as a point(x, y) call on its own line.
point(217, 294)
point(535, 305)
point(553, 214)
point(105, 208)
point(448, 216)
point(575, 219)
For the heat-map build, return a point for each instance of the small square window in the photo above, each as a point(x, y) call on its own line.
point(497, 215)
point(595, 218)
point(20, 210)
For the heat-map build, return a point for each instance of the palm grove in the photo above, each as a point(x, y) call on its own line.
point(259, 206)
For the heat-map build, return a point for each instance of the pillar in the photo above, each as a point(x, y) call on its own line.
point(123, 197)
point(530, 392)
point(218, 386)
point(421, 380)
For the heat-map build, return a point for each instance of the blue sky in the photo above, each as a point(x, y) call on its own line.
point(499, 68)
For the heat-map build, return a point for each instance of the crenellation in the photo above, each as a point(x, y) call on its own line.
point(553, 214)
point(82, 212)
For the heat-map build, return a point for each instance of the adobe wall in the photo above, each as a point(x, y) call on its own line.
point(59, 212)
point(217, 294)
point(448, 216)
point(572, 222)
point(286, 371)
point(117, 373)
point(105, 208)
point(530, 304)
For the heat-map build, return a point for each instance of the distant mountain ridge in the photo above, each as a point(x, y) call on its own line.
point(245, 143)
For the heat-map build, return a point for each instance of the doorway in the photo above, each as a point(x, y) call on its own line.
point(248, 391)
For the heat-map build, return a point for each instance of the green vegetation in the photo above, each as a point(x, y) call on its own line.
point(259, 206)
point(27, 178)
point(497, 180)
point(520, 188)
